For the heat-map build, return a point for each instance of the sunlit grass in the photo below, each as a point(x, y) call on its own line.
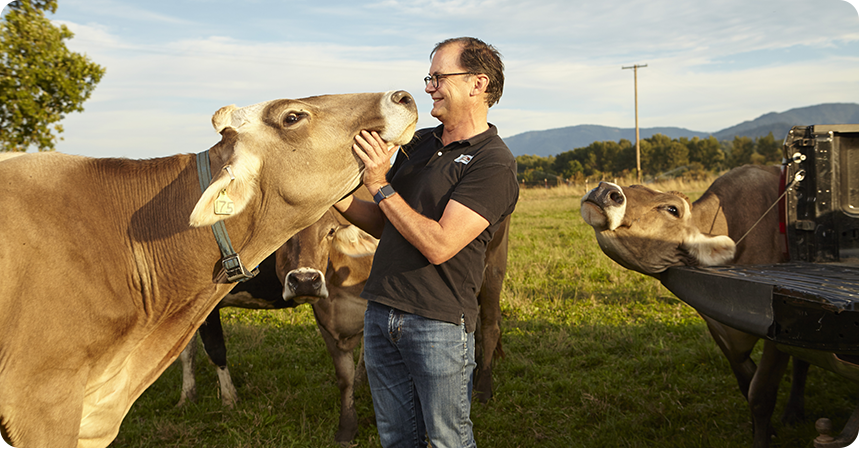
point(596, 356)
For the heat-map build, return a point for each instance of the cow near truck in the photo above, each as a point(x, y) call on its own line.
point(792, 278)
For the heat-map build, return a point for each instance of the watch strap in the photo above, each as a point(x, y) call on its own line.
point(383, 193)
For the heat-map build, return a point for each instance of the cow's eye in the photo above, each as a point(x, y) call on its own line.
point(293, 118)
point(672, 210)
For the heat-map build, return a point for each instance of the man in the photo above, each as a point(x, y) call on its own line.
point(435, 212)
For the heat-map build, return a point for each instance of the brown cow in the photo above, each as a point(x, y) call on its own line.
point(109, 265)
point(327, 264)
point(344, 252)
point(648, 231)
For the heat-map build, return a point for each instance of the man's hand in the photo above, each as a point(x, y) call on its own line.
point(376, 156)
point(437, 241)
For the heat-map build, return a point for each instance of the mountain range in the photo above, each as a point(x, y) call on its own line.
point(558, 140)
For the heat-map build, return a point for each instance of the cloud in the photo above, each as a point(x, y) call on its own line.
point(711, 64)
point(125, 11)
point(143, 106)
point(137, 133)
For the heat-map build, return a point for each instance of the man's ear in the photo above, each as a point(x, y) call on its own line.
point(480, 84)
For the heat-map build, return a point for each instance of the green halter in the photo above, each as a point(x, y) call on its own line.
point(236, 271)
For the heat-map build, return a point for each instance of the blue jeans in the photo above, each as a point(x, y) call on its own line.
point(420, 376)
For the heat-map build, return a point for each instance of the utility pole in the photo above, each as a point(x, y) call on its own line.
point(636, 67)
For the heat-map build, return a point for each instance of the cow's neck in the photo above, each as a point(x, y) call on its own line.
point(174, 266)
point(263, 225)
point(185, 258)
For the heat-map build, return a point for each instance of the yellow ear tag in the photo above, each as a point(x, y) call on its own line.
point(223, 204)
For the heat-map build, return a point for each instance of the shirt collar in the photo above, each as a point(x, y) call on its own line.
point(476, 139)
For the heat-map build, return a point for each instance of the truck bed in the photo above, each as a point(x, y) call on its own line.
point(808, 305)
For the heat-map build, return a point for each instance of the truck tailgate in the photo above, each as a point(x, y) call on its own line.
point(799, 304)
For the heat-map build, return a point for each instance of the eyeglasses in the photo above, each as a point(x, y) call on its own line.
point(435, 78)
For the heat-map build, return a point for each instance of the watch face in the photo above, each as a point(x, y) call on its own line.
point(383, 193)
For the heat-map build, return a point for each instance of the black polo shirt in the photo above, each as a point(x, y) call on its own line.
point(479, 173)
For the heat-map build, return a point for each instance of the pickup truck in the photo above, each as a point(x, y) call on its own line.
point(807, 305)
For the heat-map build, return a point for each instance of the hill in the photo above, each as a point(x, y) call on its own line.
point(557, 140)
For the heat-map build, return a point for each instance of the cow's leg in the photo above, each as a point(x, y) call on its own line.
point(360, 369)
point(736, 346)
point(489, 333)
point(188, 359)
point(763, 390)
point(488, 338)
point(794, 409)
point(344, 369)
point(212, 335)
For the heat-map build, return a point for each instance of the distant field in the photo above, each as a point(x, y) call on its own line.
point(596, 356)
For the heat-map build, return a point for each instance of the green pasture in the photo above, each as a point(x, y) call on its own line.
point(595, 356)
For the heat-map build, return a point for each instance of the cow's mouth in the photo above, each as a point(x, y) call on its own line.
point(593, 214)
point(305, 300)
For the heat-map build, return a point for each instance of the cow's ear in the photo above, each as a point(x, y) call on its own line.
point(223, 118)
point(354, 242)
point(233, 186)
point(706, 250)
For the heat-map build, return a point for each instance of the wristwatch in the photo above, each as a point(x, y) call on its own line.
point(383, 193)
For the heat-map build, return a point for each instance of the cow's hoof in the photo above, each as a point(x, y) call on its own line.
point(484, 388)
point(347, 428)
point(484, 397)
point(186, 397)
point(229, 396)
point(230, 401)
point(345, 436)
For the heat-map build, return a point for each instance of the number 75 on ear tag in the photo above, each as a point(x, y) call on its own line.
point(223, 204)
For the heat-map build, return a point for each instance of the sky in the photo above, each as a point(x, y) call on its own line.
point(710, 64)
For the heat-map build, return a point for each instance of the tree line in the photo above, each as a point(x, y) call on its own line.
point(659, 155)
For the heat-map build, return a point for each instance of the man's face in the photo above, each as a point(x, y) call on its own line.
point(450, 98)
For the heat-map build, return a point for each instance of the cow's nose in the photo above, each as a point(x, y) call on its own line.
point(402, 97)
point(306, 283)
point(609, 194)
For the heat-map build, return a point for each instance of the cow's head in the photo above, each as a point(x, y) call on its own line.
point(298, 150)
point(648, 231)
point(303, 261)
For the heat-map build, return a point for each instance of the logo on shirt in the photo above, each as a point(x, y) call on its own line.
point(463, 159)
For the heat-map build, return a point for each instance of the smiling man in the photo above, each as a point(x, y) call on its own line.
point(435, 211)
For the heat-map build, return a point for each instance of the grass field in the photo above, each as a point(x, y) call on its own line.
point(596, 356)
